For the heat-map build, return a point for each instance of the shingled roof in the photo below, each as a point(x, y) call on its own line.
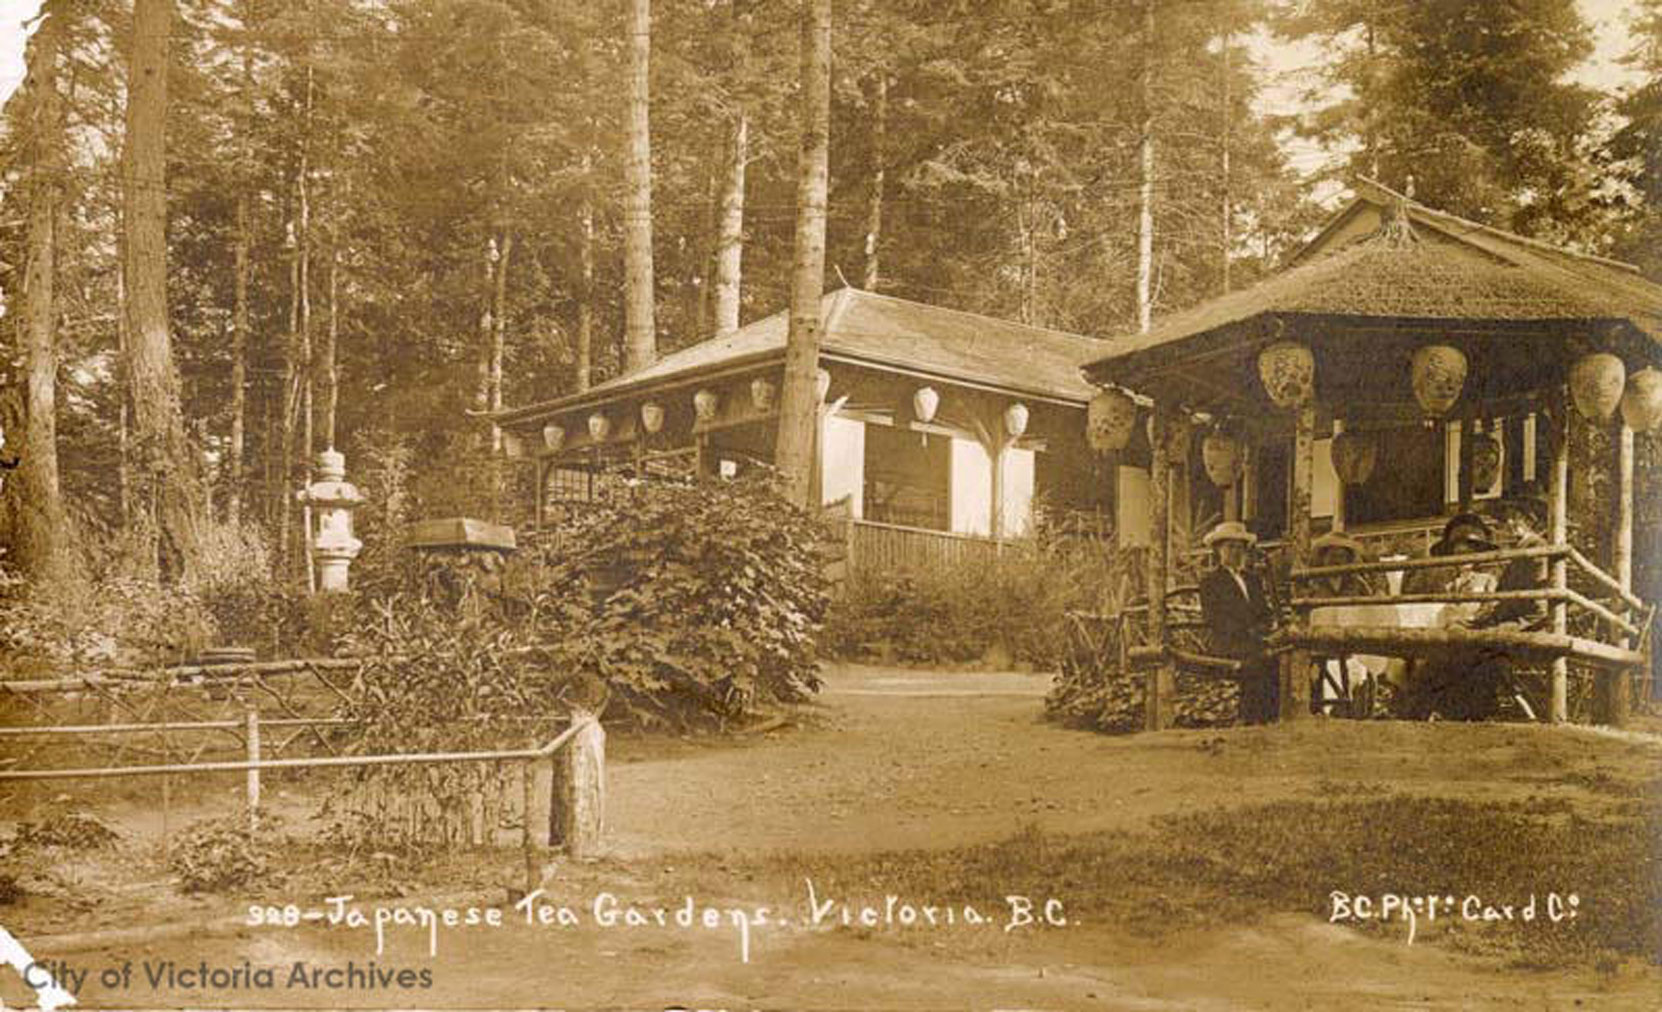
point(1425, 264)
point(879, 330)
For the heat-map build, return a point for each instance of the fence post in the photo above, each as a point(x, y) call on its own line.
point(253, 733)
point(539, 796)
point(579, 801)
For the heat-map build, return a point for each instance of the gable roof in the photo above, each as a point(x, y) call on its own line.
point(1424, 264)
point(879, 330)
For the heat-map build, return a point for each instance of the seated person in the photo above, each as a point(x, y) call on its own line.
point(1523, 518)
point(1461, 684)
point(1238, 618)
point(1337, 677)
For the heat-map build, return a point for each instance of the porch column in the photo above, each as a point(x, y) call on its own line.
point(1559, 708)
point(1338, 486)
point(1295, 664)
point(1611, 688)
point(1160, 683)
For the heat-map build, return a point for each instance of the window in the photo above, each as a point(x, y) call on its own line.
point(907, 478)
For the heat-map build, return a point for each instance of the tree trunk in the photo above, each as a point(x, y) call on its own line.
point(331, 350)
point(1228, 238)
point(280, 491)
point(167, 479)
point(487, 331)
point(1145, 162)
point(239, 365)
point(585, 302)
point(41, 530)
point(879, 155)
point(799, 408)
point(499, 334)
point(640, 329)
point(730, 232)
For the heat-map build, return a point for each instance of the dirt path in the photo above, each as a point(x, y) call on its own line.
point(900, 760)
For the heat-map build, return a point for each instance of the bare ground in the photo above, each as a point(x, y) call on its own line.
point(905, 762)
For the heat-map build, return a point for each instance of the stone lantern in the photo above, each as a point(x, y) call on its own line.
point(332, 499)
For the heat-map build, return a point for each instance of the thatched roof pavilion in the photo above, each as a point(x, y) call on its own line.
point(1400, 322)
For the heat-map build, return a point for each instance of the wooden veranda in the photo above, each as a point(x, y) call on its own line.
point(1398, 318)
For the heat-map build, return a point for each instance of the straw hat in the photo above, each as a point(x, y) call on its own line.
point(1230, 530)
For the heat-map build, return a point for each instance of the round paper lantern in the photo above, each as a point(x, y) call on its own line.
point(1015, 420)
point(705, 404)
point(924, 403)
point(1485, 462)
point(1221, 455)
point(1353, 457)
point(652, 416)
point(761, 394)
point(512, 445)
point(1642, 403)
point(1596, 383)
point(553, 436)
point(1439, 373)
point(1108, 421)
point(599, 427)
point(822, 383)
point(1288, 371)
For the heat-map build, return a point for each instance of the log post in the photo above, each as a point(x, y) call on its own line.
point(252, 733)
point(1295, 665)
point(1610, 691)
point(538, 784)
point(1160, 681)
point(1559, 708)
point(579, 800)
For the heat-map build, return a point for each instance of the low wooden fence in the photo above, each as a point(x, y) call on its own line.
point(891, 548)
point(563, 780)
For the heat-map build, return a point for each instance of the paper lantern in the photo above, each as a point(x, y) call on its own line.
point(599, 427)
point(924, 403)
point(1220, 454)
point(1353, 457)
point(1642, 403)
point(1439, 374)
point(1288, 371)
point(822, 383)
point(1015, 420)
point(761, 394)
point(652, 416)
point(512, 445)
point(705, 405)
point(1485, 460)
point(1108, 421)
point(553, 436)
point(1596, 383)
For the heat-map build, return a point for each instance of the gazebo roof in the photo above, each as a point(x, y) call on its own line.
point(1420, 267)
point(875, 330)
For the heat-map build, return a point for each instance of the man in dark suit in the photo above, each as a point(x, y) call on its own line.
point(1238, 618)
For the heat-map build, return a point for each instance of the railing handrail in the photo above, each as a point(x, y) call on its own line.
point(231, 766)
point(1546, 594)
point(224, 725)
point(1433, 562)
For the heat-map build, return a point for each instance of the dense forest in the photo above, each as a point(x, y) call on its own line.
point(236, 232)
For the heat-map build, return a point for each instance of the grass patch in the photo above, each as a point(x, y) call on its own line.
point(1237, 866)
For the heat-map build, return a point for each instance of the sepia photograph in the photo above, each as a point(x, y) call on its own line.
point(830, 505)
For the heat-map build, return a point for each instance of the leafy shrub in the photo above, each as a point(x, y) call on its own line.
point(691, 601)
point(1015, 602)
point(66, 830)
point(117, 621)
point(214, 855)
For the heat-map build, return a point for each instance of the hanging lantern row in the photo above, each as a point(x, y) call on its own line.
point(1485, 460)
point(1109, 419)
point(1354, 456)
point(1438, 372)
point(1015, 420)
point(1288, 372)
point(1223, 457)
point(1642, 403)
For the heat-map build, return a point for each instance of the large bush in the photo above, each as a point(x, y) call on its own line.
point(694, 600)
